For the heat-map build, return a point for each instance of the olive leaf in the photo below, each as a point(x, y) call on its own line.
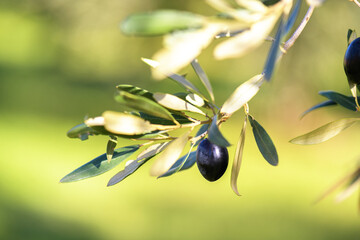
point(156, 120)
point(247, 40)
point(201, 131)
point(126, 124)
point(325, 132)
point(353, 88)
point(215, 136)
point(143, 104)
point(110, 148)
point(238, 159)
point(100, 164)
point(176, 77)
point(203, 77)
point(185, 162)
point(168, 157)
point(173, 102)
point(81, 131)
point(274, 51)
point(160, 22)
point(135, 90)
point(133, 165)
point(315, 3)
point(243, 94)
point(264, 142)
point(195, 99)
point(345, 101)
point(320, 105)
point(350, 189)
point(293, 16)
point(351, 36)
point(181, 47)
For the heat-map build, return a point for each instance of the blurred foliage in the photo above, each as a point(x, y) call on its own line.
point(60, 60)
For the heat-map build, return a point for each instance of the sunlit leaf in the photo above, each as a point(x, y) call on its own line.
point(351, 36)
point(238, 159)
point(189, 159)
point(126, 124)
point(215, 136)
point(353, 88)
point(169, 156)
point(252, 5)
point(172, 102)
point(248, 40)
point(100, 164)
point(110, 148)
point(81, 131)
point(203, 77)
point(264, 142)
point(160, 22)
point(143, 104)
point(195, 99)
point(143, 157)
point(315, 3)
point(243, 94)
point(320, 105)
point(325, 132)
point(181, 47)
point(345, 101)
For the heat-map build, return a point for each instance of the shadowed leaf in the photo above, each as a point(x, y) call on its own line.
point(238, 159)
point(243, 94)
point(135, 90)
point(168, 157)
point(293, 16)
point(189, 162)
point(345, 101)
point(203, 77)
point(325, 132)
point(351, 36)
point(160, 22)
point(215, 136)
point(143, 157)
point(320, 105)
point(156, 120)
point(81, 131)
point(350, 189)
point(100, 164)
point(264, 142)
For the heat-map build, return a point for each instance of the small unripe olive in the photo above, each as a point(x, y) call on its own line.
point(212, 160)
point(352, 62)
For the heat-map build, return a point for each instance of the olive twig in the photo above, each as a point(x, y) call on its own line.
point(357, 2)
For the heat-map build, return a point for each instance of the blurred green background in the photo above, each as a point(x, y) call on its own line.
point(60, 61)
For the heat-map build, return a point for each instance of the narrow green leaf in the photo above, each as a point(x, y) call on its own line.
point(345, 101)
point(238, 159)
point(143, 104)
point(203, 77)
point(110, 148)
point(204, 128)
point(168, 157)
point(243, 94)
point(100, 164)
point(215, 136)
point(325, 132)
point(160, 22)
point(135, 90)
point(351, 36)
point(320, 105)
point(133, 165)
point(81, 131)
point(172, 102)
point(195, 99)
point(264, 142)
point(350, 189)
point(185, 162)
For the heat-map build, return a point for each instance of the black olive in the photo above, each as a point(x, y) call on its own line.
point(352, 62)
point(212, 160)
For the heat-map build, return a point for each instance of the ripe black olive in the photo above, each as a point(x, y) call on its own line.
point(352, 62)
point(212, 160)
